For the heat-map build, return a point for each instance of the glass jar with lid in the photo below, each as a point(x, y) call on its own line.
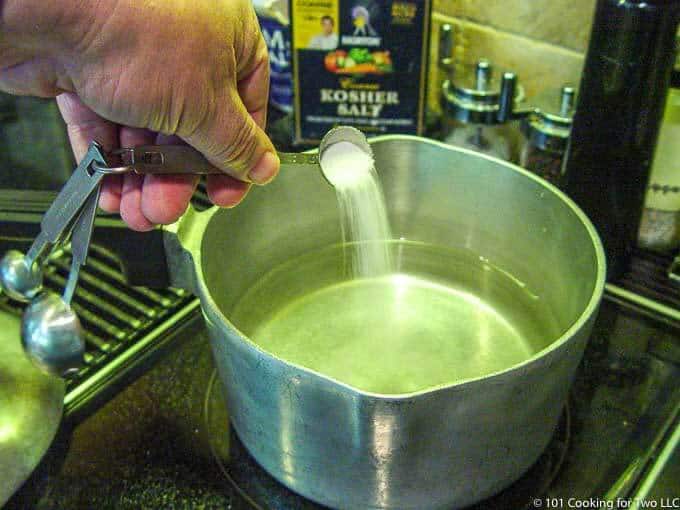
point(546, 132)
point(476, 109)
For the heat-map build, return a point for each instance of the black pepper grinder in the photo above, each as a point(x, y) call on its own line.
point(618, 115)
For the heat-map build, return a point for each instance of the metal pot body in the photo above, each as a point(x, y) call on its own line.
point(31, 405)
point(446, 447)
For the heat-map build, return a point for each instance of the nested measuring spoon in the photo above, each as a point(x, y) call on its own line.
point(51, 331)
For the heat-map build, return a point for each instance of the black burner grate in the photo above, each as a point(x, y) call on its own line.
point(200, 200)
point(126, 328)
point(648, 276)
point(123, 324)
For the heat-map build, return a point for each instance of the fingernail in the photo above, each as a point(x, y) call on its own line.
point(265, 169)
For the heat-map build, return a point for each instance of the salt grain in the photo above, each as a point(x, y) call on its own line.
point(362, 208)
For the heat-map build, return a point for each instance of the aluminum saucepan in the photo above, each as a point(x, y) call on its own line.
point(31, 405)
point(445, 446)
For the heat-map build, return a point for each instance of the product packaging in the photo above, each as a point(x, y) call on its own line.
point(275, 26)
point(361, 63)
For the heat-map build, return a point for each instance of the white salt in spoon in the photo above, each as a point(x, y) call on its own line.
point(351, 145)
point(344, 155)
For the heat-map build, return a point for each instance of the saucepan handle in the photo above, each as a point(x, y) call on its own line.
point(141, 254)
point(165, 256)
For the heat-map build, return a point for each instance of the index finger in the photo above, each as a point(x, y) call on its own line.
point(254, 91)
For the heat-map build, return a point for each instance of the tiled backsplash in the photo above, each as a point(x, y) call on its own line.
point(543, 41)
point(561, 22)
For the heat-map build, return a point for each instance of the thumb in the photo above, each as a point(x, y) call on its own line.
point(232, 140)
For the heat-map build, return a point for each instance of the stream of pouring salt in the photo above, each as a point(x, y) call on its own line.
point(362, 208)
point(388, 329)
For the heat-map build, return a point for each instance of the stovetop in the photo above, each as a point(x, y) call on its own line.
point(126, 328)
point(152, 446)
point(164, 442)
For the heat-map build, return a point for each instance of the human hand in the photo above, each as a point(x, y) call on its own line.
point(134, 72)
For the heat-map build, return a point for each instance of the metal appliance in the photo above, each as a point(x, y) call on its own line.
point(618, 437)
point(621, 437)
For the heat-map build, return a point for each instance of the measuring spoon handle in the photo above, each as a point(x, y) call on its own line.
point(179, 159)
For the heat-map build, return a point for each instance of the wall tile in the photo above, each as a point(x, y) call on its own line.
point(562, 22)
point(539, 65)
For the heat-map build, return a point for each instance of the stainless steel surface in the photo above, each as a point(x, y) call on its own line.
point(476, 96)
point(343, 134)
point(51, 332)
point(179, 159)
point(58, 220)
point(30, 410)
point(157, 159)
point(22, 277)
point(506, 101)
point(567, 101)
point(298, 158)
point(52, 335)
point(482, 75)
point(338, 134)
point(446, 446)
point(80, 243)
point(446, 47)
point(548, 127)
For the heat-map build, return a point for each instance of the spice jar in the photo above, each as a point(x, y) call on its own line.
point(660, 221)
point(477, 108)
point(547, 132)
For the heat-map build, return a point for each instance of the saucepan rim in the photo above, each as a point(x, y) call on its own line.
point(209, 305)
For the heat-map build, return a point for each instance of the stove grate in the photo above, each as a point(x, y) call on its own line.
point(647, 276)
point(122, 323)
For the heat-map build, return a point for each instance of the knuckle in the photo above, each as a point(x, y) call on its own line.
point(239, 149)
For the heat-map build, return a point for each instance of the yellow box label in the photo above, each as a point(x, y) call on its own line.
point(316, 24)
